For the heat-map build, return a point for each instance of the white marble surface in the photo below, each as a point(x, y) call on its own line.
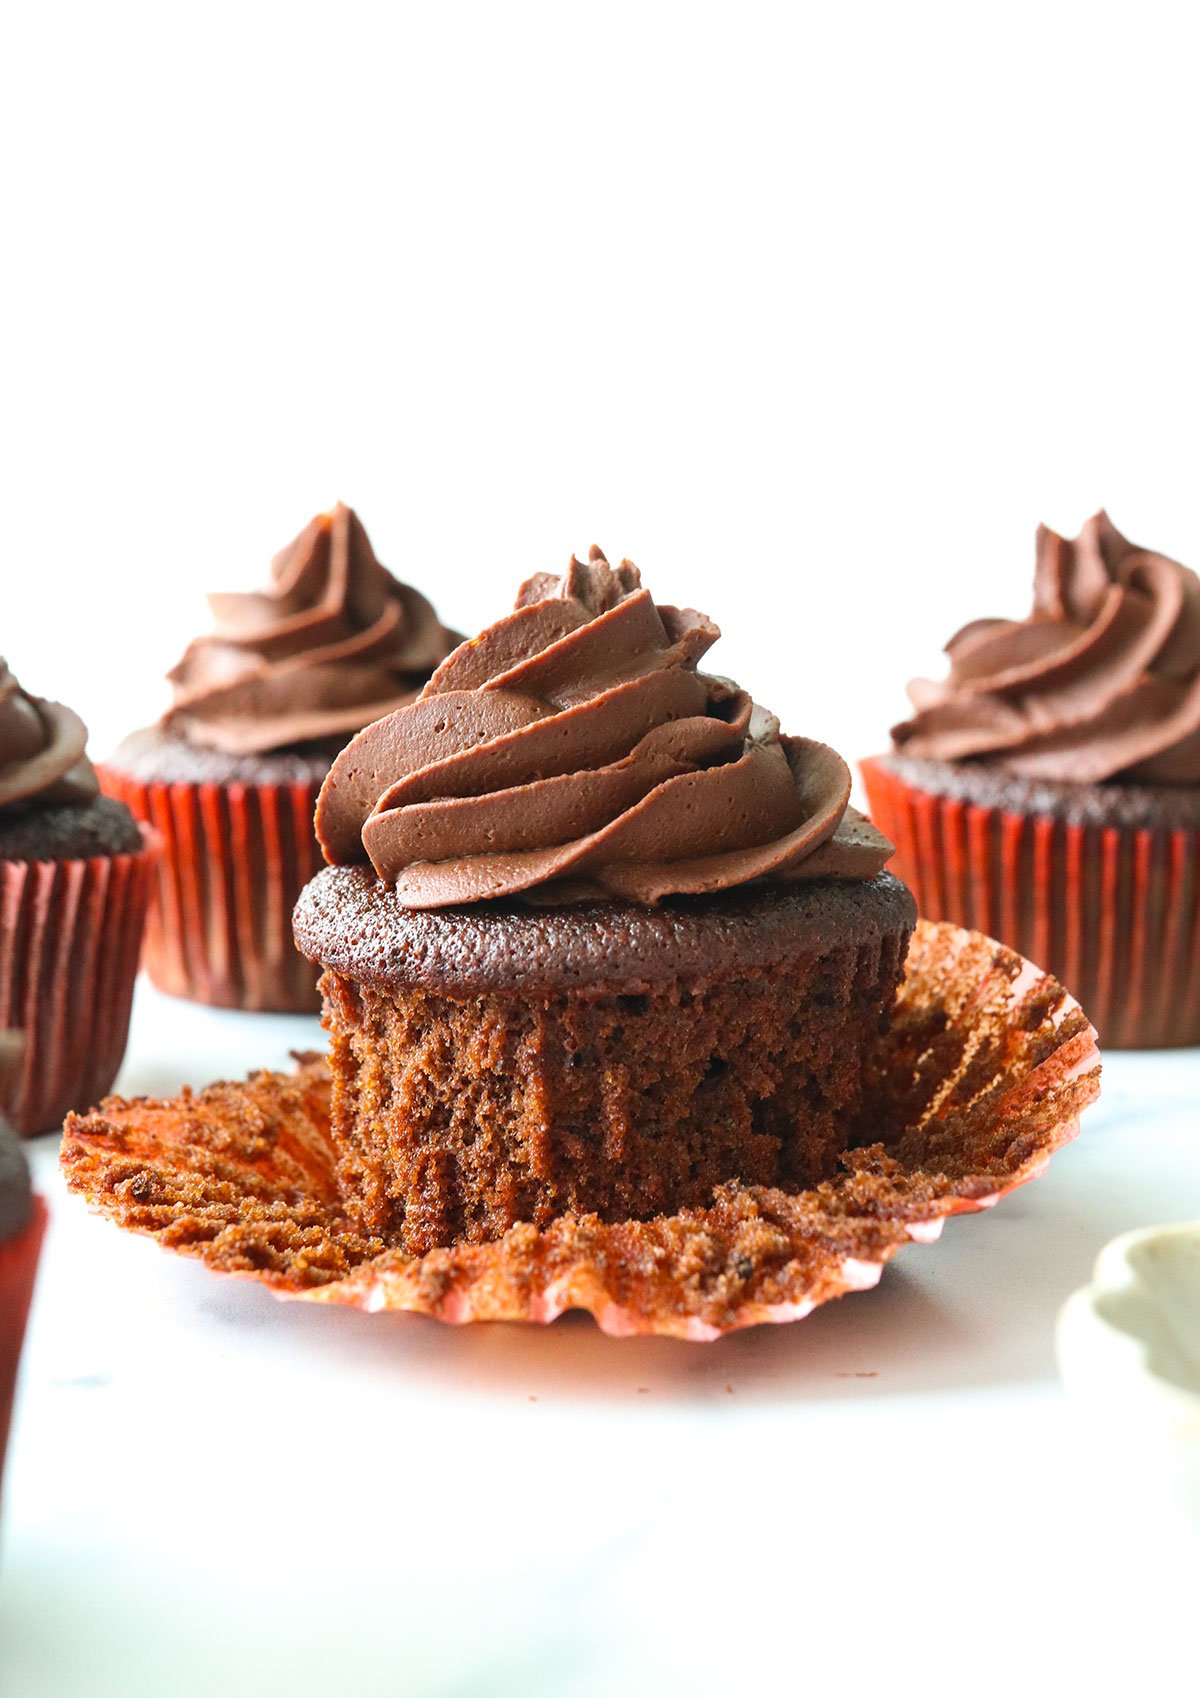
point(212, 1493)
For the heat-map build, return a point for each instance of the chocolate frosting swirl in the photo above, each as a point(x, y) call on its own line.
point(575, 748)
point(42, 746)
point(333, 642)
point(1101, 681)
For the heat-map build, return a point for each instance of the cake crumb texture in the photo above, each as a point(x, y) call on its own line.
point(458, 1117)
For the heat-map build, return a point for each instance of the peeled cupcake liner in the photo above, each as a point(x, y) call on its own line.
point(70, 939)
point(982, 1078)
point(18, 1268)
point(1113, 911)
point(234, 860)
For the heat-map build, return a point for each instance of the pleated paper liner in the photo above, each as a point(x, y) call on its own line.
point(982, 1078)
point(18, 1266)
point(235, 858)
point(1112, 910)
point(70, 937)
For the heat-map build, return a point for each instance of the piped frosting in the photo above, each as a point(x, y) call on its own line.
point(332, 643)
point(574, 748)
point(1101, 680)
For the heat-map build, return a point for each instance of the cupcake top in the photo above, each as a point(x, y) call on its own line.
point(333, 642)
point(575, 749)
point(42, 759)
point(16, 1191)
point(1100, 682)
point(50, 803)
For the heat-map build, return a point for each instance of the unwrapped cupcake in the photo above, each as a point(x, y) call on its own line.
point(230, 776)
point(596, 936)
point(75, 874)
point(1047, 792)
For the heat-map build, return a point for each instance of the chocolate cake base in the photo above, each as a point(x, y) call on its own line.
point(503, 1064)
point(68, 831)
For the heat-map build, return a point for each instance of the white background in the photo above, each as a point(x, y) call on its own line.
point(814, 311)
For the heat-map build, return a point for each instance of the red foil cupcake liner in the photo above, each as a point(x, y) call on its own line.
point(70, 938)
point(981, 1079)
point(18, 1266)
point(1112, 911)
point(234, 860)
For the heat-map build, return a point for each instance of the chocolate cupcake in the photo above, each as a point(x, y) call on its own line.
point(75, 872)
point(22, 1224)
point(230, 775)
point(595, 936)
point(1048, 791)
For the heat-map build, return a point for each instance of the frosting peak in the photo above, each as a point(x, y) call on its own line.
point(333, 642)
point(574, 745)
point(42, 746)
point(1100, 681)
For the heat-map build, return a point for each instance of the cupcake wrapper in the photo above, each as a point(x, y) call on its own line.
point(234, 860)
point(70, 937)
point(1111, 911)
point(18, 1265)
point(980, 1080)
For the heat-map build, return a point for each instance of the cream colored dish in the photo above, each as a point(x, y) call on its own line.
point(1129, 1344)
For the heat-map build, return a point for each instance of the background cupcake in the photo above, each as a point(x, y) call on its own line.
point(230, 775)
point(1047, 791)
point(22, 1223)
point(75, 875)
